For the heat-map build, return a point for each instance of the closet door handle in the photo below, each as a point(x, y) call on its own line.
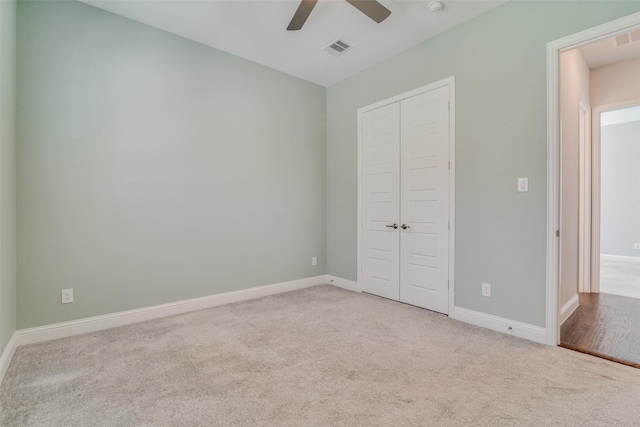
point(394, 226)
point(405, 226)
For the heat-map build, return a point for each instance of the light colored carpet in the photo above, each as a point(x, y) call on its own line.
point(620, 277)
point(315, 357)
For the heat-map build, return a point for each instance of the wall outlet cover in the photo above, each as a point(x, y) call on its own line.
point(67, 296)
point(486, 289)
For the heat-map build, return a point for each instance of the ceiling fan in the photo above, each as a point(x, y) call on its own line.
point(371, 8)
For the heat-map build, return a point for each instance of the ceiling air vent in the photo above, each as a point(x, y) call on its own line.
point(337, 48)
point(627, 38)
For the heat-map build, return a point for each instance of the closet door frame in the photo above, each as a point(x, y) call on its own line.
point(448, 82)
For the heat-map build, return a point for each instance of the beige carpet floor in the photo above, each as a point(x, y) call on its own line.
point(316, 357)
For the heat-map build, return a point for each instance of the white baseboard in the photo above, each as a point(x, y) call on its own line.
point(568, 309)
point(518, 329)
point(500, 324)
point(7, 355)
point(349, 285)
point(620, 258)
point(97, 323)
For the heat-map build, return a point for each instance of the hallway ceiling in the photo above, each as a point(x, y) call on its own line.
point(605, 52)
point(256, 30)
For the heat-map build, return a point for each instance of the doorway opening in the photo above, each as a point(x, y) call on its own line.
point(592, 190)
point(606, 322)
point(620, 201)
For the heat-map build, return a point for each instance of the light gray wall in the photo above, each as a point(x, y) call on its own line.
point(620, 189)
point(153, 169)
point(499, 60)
point(7, 172)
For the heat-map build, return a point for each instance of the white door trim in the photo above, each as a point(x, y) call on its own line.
point(595, 186)
point(447, 82)
point(609, 29)
point(585, 205)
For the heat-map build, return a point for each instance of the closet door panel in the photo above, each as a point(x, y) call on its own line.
point(380, 201)
point(424, 195)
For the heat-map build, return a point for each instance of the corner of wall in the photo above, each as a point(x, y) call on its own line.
point(7, 355)
point(8, 16)
point(567, 309)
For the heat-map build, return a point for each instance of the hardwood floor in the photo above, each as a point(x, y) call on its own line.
point(605, 325)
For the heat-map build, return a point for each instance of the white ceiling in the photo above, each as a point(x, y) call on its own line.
point(604, 52)
point(255, 30)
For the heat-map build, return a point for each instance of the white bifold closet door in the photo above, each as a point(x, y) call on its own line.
point(405, 200)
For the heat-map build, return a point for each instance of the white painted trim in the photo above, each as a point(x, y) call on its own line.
point(500, 324)
point(609, 29)
point(553, 193)
point(633, 102)
point(595, 200)
point(452, 190)
point(595, 185)
point(568, 309)
point(98, 323)
point(584, 206)
point(620, 258)
point(7, 355)
point(349, 285)
point(449, 82)
point(359, 201)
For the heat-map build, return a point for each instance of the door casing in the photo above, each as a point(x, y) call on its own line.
point(585, 205)
point(554, 48)
point(595, 187)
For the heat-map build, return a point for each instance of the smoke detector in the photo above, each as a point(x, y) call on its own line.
point(436, 6)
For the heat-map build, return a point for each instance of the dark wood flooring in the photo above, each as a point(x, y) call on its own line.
point(605, 325)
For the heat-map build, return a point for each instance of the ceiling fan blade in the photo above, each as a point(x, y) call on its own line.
point(301, 15)
point(372, 9)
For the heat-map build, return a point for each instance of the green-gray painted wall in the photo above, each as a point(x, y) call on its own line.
point(499, 61)
point(153, 169)
point(7, 172)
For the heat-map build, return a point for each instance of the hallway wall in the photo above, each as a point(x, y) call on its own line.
point(574, 87)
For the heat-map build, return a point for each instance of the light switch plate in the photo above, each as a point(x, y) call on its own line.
point(523, 185)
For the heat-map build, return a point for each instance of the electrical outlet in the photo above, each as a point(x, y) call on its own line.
point(67, 296)
point(636, 246)
point(314, 260)
point(486, 289)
